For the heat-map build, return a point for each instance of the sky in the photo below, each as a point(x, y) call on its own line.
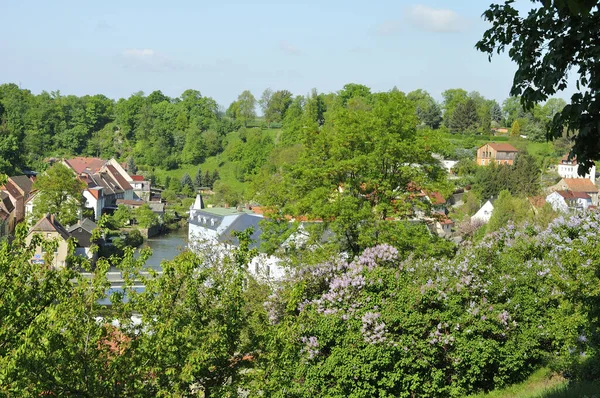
point(221, 48)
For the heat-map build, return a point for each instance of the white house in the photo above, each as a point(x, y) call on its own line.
point(94, 199)
point(211, 229)
point(563, 201)
point(484, 214)
point(568, 169)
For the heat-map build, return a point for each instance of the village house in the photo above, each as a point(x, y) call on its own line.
point(568, 169)
point(500, 153)
point(82, 232)
point(50, 229)
point(18, 190)
point(107, 182)
point(441, 226)
point(578, 185)
point(484, 214)
point(563, 201)
point(7, 215)
point(211, 229)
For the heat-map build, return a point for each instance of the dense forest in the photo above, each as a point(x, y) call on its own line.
point(158, 131)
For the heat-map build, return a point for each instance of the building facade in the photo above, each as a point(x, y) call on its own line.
point(500, 153)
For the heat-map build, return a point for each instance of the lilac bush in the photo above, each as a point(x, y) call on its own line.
point(376, 325)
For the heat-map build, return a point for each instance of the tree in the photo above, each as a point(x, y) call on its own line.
point(465, 118)
point(515, 130)
point(353, 90)
point(122, 216)
point(452, 98)
point(60, 193)
point(428, 110)
point(246, 107)
point(187, 185)
point(496, 112)
point(278, 105)
point(198, 181)
point(131, 167)
point(507, 208)
point(566, 30)
point(145, 217)
point(354, 172)
point(215, 177)
point(264, 102)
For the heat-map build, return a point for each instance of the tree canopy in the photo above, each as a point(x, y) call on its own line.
point(546, 43)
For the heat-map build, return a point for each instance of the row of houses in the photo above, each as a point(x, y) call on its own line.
point(108, 184)
point(50, 229)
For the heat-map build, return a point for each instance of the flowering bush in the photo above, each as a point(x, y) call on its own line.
point(378, 326)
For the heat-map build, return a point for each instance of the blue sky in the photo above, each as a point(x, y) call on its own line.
point(224, 47)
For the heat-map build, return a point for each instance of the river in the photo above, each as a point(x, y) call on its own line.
point(166, 247)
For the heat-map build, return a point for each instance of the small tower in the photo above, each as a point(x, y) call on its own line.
point(198, 203)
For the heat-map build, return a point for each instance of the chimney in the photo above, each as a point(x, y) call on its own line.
point(52, 218)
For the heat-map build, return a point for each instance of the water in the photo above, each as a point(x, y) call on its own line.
point(166, 247)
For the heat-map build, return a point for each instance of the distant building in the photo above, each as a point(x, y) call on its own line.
point(500, 153)
point(106, 180)
point(211, 229)
point(563, 201)
point(82, 232)
point(484, 214)
point(50, 229)
point(568, 169)
point(7, 215)
point(578, 185)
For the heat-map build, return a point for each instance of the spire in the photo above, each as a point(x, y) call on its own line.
point(198, 203)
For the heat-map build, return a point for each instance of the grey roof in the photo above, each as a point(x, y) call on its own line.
point(6, 203)
point(86, 224)
point(242, 223)
point(23, 182)
point(225, 221)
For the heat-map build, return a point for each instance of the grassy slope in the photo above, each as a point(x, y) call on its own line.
point(544, 384)
point(219, 162)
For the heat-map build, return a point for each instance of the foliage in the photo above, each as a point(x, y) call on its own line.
point(355, 170)
point(60, 193)
point(464, 118)
point(521, 178)
point(564, 30)
point(515, 130)
point(145, 217)
point(122, 216)
point(377, 326)
point(507, 208)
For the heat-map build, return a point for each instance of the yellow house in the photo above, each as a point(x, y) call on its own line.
point(500, 153)
point(50, 229)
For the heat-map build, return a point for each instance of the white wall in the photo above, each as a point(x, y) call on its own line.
point(557, 202)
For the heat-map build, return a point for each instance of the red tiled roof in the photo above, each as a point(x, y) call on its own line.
point(573, 195)
point(120, 180)
point(446, 221)
point(580, 185)
point(502, 147)
point(436, 198)
point(137, 178)
point(81, 164)
point(95, 193)
point(12, 190)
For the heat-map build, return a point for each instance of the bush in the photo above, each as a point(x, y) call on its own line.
point(378, 326)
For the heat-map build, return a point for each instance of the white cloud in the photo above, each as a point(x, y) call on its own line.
point(146, 60)
point(289, 48)
point(435, 19)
